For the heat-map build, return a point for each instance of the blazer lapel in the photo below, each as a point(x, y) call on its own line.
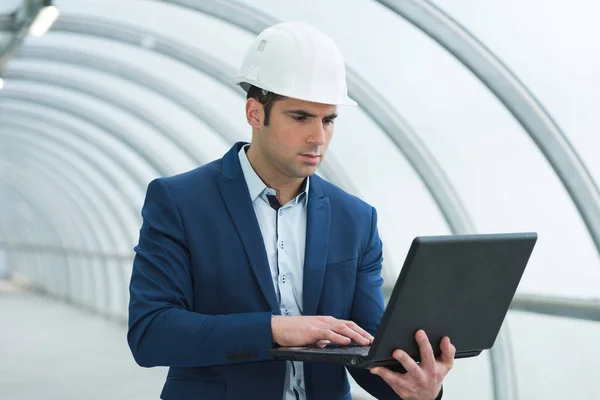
point(234, 191)
point(317, 244)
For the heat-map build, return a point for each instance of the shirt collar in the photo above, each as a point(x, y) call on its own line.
point(256, 187)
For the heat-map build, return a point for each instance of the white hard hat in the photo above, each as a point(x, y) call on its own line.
point(295, 59)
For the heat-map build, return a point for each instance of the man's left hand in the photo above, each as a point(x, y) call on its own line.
point(421, 381)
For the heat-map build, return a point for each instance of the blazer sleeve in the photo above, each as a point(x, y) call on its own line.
point(163, 329)
point(368, 308)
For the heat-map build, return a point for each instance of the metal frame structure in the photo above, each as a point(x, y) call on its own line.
point(516, 97)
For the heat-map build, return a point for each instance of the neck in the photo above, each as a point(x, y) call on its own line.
point(287, 188)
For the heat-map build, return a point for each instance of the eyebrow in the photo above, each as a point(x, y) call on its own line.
point(306, 114)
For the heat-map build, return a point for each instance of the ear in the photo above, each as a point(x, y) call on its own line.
point(255, 113)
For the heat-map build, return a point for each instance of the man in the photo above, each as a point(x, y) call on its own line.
point(254, 250)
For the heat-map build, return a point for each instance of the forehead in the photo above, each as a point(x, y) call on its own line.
point(319, 109)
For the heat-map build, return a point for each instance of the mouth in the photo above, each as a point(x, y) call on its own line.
point(311, 158)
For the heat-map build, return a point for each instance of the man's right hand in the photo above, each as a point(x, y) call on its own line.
point(308, 330)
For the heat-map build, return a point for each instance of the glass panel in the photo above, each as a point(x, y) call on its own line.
point(555, 358)
point(156, 144)
point(86, 178)
point(542, 43)
point(128, 156)
point(193, 133)
point(209, 95)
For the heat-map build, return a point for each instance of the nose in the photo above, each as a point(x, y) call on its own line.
point(317, 135)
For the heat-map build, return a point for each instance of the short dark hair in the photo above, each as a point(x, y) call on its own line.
point(266, 98)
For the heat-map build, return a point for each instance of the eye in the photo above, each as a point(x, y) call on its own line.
point(328, 122)
point(299, 118)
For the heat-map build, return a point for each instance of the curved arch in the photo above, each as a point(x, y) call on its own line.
point(69, 128)
point(63, 142)
point(44, 228)
point(115, 130)
point(80, 226)
point(202, 110)
point(516, 97)
point(50, 170)
point(119, 227)
point(74, 273)
point(152, 119)
point(81, 154)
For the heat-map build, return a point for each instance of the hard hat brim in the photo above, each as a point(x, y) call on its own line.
point(244, 83)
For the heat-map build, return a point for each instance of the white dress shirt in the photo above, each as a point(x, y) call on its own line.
point(284, 234)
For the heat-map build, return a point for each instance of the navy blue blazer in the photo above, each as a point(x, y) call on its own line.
point(202, 295)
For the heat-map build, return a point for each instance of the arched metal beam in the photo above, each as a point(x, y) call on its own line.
point(201, 110)
point(98, 168)
point(112, 201)
point(44, 228)
point(39, 183)
point(115, 130)
point(50, 161)
point(50, 168)
point(63, 142)
point(47, 219)
point(48, 182)
point(117, 231)
point(516, 97)
point(125, 161)
point(88, 89)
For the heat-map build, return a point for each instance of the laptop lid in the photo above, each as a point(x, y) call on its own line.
point(458, 286)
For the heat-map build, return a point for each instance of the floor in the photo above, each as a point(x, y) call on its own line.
point(50, 350)
point(54, 351)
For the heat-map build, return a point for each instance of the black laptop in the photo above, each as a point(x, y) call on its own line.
point(458, 286)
